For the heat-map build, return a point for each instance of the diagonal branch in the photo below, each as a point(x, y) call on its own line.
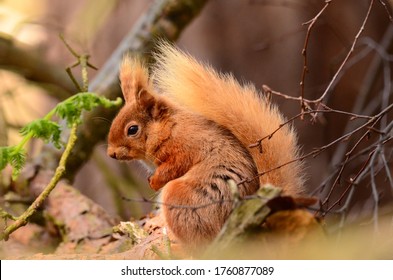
point(19, 57)
point(333, 80)
point(310, 24)
point(165, 19)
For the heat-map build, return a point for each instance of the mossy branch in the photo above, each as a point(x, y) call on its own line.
point(165, 19)
point(245, 215)
point(60, 170)
point(71, 111)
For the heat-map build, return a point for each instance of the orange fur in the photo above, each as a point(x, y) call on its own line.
point(197, 131)
point(241, 109)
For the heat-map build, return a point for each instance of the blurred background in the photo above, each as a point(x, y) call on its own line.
point(258, 41)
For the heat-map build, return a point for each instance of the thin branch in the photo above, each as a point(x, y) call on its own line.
point(387, 170)
point(368, 166)
point(83, 61)
point(308, 111)
point(60, 170)
point(333, 80)
point(347, 156)
point(351, 183)
point(373, 70)
point(380, 143)
point(372, 120)
point(311, 24)
point(307, 103)
point(374, 191)
point(367, 125)
point(387, 10)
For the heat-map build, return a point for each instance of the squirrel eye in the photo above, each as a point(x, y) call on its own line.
point(132, 130)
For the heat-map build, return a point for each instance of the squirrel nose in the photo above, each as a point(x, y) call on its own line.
point(113, 155)
point(112, 152)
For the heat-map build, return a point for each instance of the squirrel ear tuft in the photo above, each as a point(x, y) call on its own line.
point(152, 105)
point(134, 77)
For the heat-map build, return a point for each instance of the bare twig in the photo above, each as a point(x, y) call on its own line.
point(374, 191)
point(311, 24)
point(376, 159)
point(380, 143)
point(373, 72)
point(306, 104)
point(347, 156)
point(333, 80)
point(367, 169)
point(83, 61)
point(352, 182)
point(368, 126)
point(387, 169)
point(387, 10)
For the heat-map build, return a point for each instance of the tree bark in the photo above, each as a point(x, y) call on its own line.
point(18, 57)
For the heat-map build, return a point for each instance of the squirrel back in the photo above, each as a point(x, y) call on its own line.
point(241, 109)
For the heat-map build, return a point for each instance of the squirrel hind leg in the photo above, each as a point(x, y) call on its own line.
point(195, 213)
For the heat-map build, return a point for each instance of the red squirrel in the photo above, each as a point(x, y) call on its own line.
point(196, 125)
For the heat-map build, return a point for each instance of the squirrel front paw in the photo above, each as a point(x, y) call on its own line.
point(155, 183)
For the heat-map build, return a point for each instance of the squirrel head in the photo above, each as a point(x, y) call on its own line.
point(140, 124)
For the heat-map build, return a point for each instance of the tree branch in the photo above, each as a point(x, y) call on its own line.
point(165, 19)
point(24, 218)
point(19, 57)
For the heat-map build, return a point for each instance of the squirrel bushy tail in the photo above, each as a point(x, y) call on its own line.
point(240, 108)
